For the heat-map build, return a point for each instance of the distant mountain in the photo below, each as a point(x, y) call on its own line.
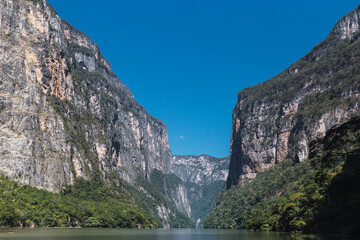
point(202, 170)
point(204, 177)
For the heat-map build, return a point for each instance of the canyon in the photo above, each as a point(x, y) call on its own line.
point(65, 115)
point(204, 177)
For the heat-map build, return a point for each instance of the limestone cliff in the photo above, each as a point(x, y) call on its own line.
point(204, 177)
point(63, 112)
point(173, 188)
point(278, 118)
point(202, 170)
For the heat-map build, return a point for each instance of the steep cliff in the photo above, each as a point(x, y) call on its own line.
point(202, 170)
point(278, 118)
point(64, 114)
point(173, 188)
point(204, 177)
point(319, 194)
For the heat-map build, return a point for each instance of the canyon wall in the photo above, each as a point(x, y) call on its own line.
point(278, 118)
point(64, 114)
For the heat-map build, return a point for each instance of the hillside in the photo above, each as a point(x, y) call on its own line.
point(65, 115)
point(278, 178)
point(278, 118)
point(318, 195)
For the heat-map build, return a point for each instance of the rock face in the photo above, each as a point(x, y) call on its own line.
point(202, 170)
point(173, 188)
point(277, 119)
point(63, 112)
point(204, 177)
point(180, 198)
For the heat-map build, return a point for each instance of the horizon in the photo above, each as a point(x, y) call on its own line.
point(167, 53)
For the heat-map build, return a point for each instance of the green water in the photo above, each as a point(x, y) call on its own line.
point(158, 234)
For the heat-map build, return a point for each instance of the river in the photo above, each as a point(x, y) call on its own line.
point(157, 234)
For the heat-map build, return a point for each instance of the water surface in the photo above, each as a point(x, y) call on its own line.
point(157, 234)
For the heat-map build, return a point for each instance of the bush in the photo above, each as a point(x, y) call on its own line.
point(88, 203)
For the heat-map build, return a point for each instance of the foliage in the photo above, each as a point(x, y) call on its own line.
point(76, 123)
point(85, 204)
point(231, 207)
point(167, 185)
point(77, 48)
point(202, 198)
point(324, 81)
point(330, 199)
point(84, 126)
point(335, 70)
point(317, 195)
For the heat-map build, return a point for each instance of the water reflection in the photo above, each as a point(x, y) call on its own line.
point(158, 234)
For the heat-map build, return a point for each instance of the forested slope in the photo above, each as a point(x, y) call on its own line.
point(320, 194)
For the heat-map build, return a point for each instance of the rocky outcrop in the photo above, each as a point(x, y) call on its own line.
point(277, 119)
point(180, 198)
point(63, 112)
point(202, 170)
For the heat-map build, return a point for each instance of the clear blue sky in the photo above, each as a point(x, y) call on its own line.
point(185, 60)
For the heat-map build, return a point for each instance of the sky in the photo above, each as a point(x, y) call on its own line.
point(186, 60)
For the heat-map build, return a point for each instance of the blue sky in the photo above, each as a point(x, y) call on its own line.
point(186, 60)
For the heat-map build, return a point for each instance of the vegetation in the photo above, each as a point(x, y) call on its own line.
point(167, 185)
point(317, 195)
point(202, 198)
point(325, 80)
point(84, 127)
point(231, 207)
point(76, 123)
point(85, 204)
point(335, 70)
point(74, 48)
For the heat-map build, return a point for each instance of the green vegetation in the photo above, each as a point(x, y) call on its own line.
point(200, 197)
point(318, 195)
point(201, 205)
point(336, 70)
point(74, 48)
point(85, 204)
point(84, 127)
point(326, 79)
point(231, 207)
point(167, 185)
point(76, 123)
